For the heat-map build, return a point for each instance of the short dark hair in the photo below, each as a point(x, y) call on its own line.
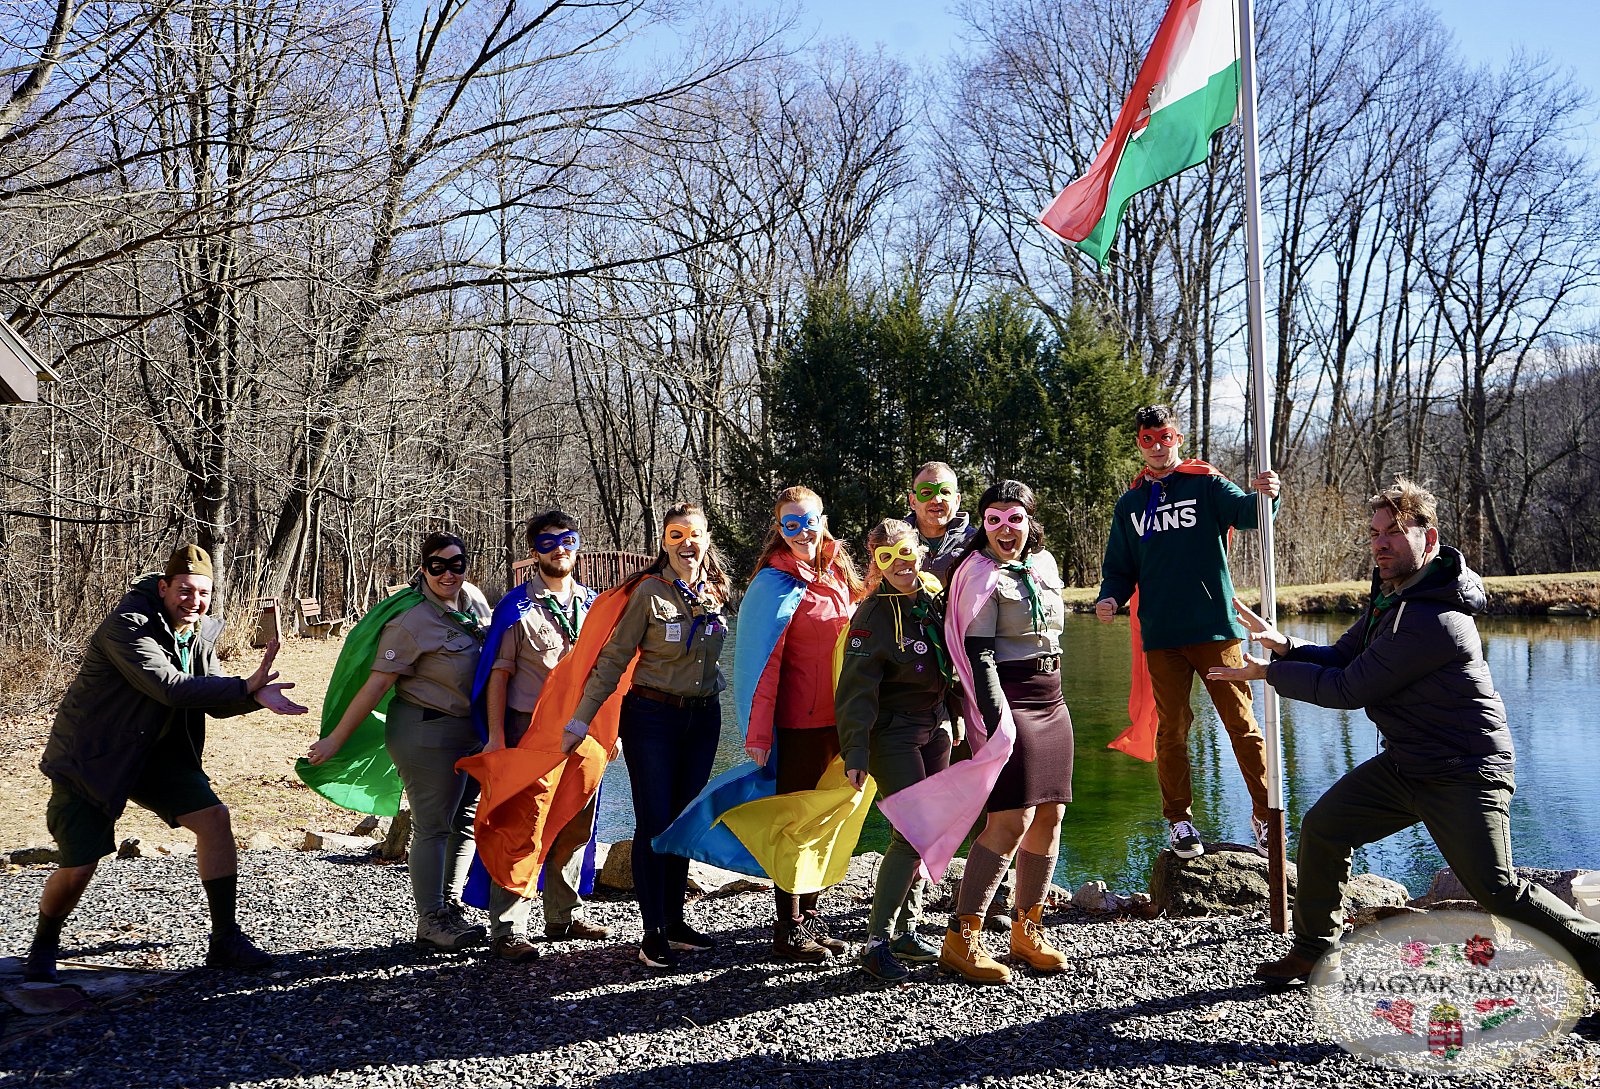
point(1003, 491)
point(940, 467)
point(1154, 416)
point(548, 521)
point(438, 542)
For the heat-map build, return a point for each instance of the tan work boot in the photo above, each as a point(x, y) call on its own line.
point(964, 954)
point(1029, 943)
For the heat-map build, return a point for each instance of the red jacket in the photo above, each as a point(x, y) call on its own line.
point(798, 693)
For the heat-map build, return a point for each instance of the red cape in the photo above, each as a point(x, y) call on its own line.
point(1139, 739)
point(530, 793)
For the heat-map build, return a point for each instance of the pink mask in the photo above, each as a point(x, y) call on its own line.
point(992, 521)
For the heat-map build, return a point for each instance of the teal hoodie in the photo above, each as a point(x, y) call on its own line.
point(1181, 567)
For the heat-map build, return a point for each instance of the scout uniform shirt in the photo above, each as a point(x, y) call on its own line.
point(435, 656)
point(659, 624)
point(1020, 629)
point(533, 645)
point(886, 669)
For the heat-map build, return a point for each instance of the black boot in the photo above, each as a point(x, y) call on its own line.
point(231, 948)
point(40, 967)
point(791, 942)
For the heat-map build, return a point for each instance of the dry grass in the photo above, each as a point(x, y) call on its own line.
point(1518, 595)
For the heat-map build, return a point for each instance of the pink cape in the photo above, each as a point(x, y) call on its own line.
point(936, 814)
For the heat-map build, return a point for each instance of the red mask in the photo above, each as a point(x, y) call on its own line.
point(1166, 436)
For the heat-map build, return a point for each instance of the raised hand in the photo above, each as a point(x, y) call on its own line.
point(271, 696)
point(264, 674)
point(1254, 669)
point(1260, 631)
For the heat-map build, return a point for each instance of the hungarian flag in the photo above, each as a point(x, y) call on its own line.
point(1187, 89)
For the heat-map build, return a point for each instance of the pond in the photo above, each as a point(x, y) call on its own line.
point(1547, 671)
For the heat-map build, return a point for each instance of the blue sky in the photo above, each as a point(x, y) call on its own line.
point(1564, 29)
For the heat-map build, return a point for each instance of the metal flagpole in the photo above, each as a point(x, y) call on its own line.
point(1262, 433)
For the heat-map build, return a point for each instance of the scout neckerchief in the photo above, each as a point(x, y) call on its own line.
point(183, 640)
point(463, 621)
point(1024, 571)
point(569, 625)
point(928, 623)
point(709, 616)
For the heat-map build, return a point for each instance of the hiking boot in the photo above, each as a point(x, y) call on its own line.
point(1263, 834)
point(578, 930)
point(997, 923)
point(1029, 943)
point(791, 941)
point(458, 916)
point(963, 953)
point(231, 948)
point(514, 948)
point(1185, 841)
point(656, 952)
point(816, 926)
point(1295, 967)
point(438, 932)
point(879, 962)
point(910, 947)
point(686, 938)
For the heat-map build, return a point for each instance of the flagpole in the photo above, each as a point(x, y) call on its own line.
point(1262, 433)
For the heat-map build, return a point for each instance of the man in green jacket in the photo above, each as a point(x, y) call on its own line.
point(1169, 541)
point(131, 728)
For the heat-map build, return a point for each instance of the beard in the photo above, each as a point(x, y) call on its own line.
point(557, 568)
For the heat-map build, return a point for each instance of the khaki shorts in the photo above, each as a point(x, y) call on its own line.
point(85, 833)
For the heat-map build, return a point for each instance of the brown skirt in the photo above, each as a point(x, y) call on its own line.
point(1040, 769)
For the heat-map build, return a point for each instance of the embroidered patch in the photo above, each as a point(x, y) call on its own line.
point(920, 647)
point(389, 654)
point(856, 644)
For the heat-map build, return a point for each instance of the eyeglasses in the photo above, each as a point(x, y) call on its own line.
point(1016, 519)
point(1167, 436)
point(549, 542)
point(886, 556)
point(929, 490)
point(792, 525)
point(680, 533)
point(435, 566)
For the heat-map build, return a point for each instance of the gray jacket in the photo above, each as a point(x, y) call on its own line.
point(959, 530)
point(1418, 671)
point(131, 696)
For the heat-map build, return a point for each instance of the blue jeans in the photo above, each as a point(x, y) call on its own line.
point(669, 752)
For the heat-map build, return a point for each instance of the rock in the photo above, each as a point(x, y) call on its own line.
point(261, 841)
point(34, 856)
point(1139, 906)
point(1229, 879)
point(618, 870)
point(397, 841)
point(1094, 897)
point(366, 826)
point(941, 895)
point(1369, 891)
point(130, 848)
point(332, 841)
point(172, 850)
point(1367, 915)
point(1447, 887)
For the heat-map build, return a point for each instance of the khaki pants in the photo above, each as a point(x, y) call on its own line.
point(1172, 674)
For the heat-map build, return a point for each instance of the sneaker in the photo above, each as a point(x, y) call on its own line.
point(233, 949)
point(816, 926)
point(656, 952)
point(437, 931)
point(910, 947)
point(578, 930)
point(686, 938)
point(792, 941)
point(1185, 841)
point(515, 948)
point(1263, 833)
point(879, 962)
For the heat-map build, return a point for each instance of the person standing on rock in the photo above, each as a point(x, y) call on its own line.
point(1003, 624)
point(428, 654)
point(1414, 662)
point(942, 527)
point(132, 728)
point(893, 677)
point(1168, 552)
point(671, 630)
point(534, 626)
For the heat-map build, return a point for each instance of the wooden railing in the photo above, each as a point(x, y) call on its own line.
point(597, 570)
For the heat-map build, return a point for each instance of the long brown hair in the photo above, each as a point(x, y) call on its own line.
point(887, 532)
point(715, 571)
point(830, 550)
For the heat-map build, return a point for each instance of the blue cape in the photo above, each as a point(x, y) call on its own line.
point(512, 608)
point(764, 616)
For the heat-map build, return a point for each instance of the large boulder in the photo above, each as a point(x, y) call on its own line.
point(1446, 886)
point(1229, 879)
point(1368, 892)
point(617, 872)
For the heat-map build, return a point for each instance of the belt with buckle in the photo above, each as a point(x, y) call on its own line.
point(669, 698)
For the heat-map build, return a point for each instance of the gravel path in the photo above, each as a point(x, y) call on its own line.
point(351, 1004)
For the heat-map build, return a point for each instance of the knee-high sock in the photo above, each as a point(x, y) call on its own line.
point(222, 896)
point(1033, 877)
point(979, 880)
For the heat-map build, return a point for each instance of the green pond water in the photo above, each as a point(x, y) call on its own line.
point(1547, 671)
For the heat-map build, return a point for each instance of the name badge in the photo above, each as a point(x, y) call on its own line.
point(674, 633)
